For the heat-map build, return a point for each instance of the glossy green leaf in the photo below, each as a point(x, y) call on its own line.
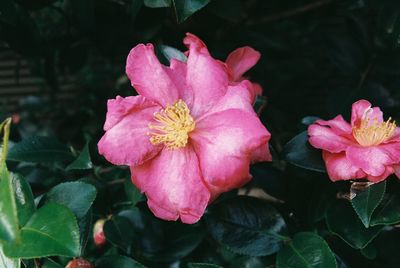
point(83, 161)
point(185, 8)
point(132, 192)
point(77, 196)
point(202, 265)
point(300, 153)
point(388, 211)
point(119, 231)
point(40, 149)
point(172, 53)
point(7, 262)
point(157, 3)
point(365, 202)
point(344, 222)
point(118, 261)
point(85, 225)
point(247, 226)
point(306, 250)
point(8, 207)
point(23, 197)
point(51, 231)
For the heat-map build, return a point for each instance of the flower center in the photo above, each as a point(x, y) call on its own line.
point(371, 132)
point(173, 126)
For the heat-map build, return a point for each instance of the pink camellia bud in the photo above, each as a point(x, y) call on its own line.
point(79, 263)
point(98, 234)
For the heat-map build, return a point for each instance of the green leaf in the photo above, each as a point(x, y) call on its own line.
point(118, 261)
point(300, 153)
point(388, 211)
point(8, 262)
point(51, 231)
point(132, 192)
point(172, 53)
point(365, 202)
point(85, 225)
point(306, 250)
point(8, 12)
point(40, 149)
point(77, 196)
point(8, 207)
point(83, 161)
point(49, 263)
point(202, 265)
point(344, 222)
point(23, 197)
point(185, 8)
point(247, 226)
point(119, 231)
point(157, 3)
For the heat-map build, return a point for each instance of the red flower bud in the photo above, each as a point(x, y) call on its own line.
point(79, 263)
point(98, 234)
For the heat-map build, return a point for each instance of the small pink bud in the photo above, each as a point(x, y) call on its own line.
point(79, 263)
point(98, 234)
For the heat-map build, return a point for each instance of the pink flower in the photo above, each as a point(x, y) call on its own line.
point(189, 136)
point(368, 148)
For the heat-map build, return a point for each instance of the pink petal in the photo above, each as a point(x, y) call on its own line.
point(173, 184)
point(257, 89)
point(388, 171)
point(177, 72)
point(338, 124)
point(358, 112)
point(372, 160)
point(206, 76)
point(340, 168)
point(149, 77)
point(241, 60)
point(126, 141)
point(330, 139)
point(261, 154)
point(224, 143)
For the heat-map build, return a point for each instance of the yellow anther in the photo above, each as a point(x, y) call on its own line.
point(173, 126)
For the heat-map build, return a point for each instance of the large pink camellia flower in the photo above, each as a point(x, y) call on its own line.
point(368, 148)
point(189, 136)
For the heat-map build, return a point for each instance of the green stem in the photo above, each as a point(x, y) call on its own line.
point(5, 127)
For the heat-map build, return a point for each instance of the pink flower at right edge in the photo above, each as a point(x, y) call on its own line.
point(368, 147)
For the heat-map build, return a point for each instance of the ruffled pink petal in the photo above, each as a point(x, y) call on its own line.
point(173, 184)
point(388, 171)
point(326, 138)
point(362, 110)
point(337, 124)
point(262, 153)
point(224, 143)
point(149, 77)
point(177, 72)
point(340, 168)
point(241, 60)
point(126, 141)
point(206, 77)
point(372, 160)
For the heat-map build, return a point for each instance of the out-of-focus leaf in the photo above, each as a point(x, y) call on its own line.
point(157, 3)
point(49, 263)
point(8, 207)
point(300, 153)
point(388, 211)
point(344, 222)
point(8, 12)
point(172, 53)
point(51, 231)
point(24, 198)
point(247, 226)
point(185, 8)
point(306, 250)
point(85, 225)
point(118, 261)
point(132, 192)
point(119, 231)
point(8, 262)
point(202, 265)
point(231, 10)
point(369, 252)
point(77, 196)
point(40, 149)
point(365, 202)
point(83, 161)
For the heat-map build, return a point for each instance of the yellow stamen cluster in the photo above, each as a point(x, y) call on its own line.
point(371, 132)
point(173, 126)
